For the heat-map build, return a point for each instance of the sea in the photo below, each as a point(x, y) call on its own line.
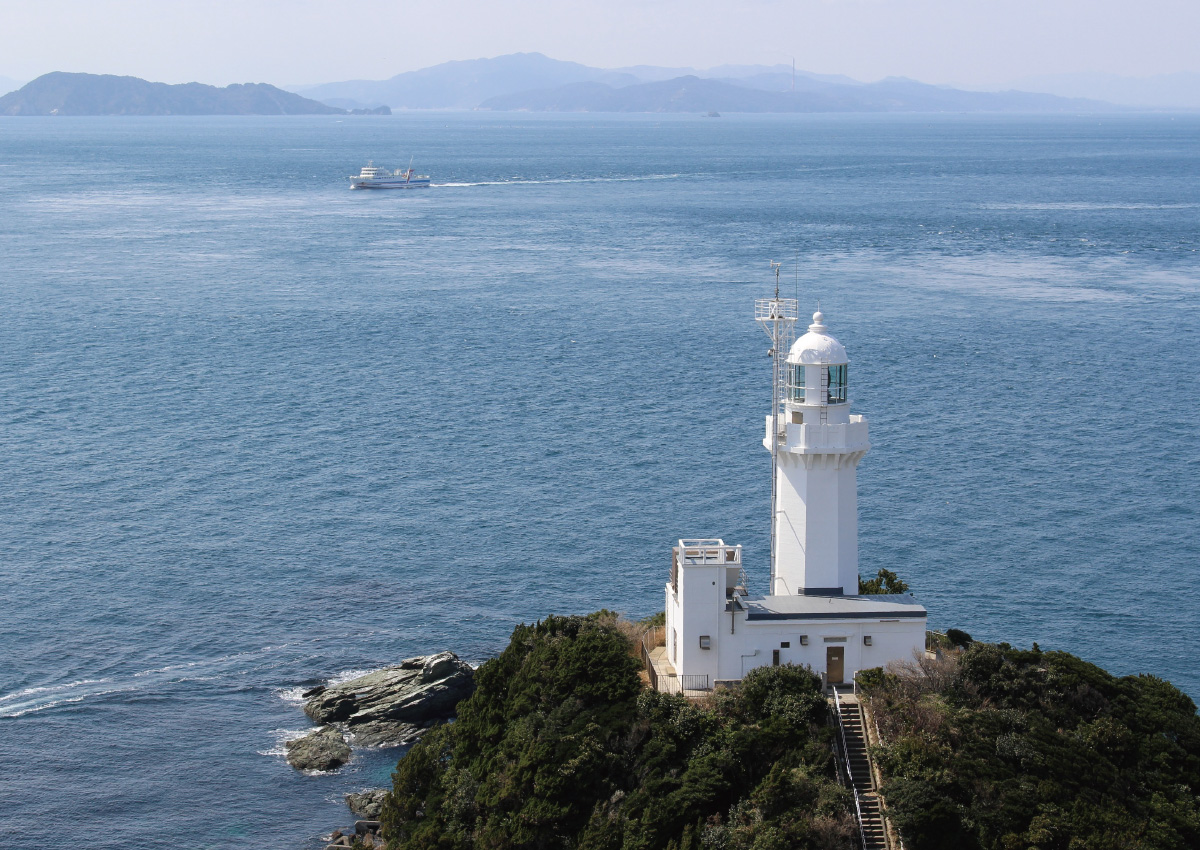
point(259, 432)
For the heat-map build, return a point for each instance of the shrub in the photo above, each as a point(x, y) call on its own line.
point(885, 581)
point(959, 638)
point(999, 748)
point(560, 748)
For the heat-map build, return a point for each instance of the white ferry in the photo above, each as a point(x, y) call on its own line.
point(374, 177)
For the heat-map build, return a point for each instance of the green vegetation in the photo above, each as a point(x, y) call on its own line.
point(560, 747)
point(654, 621)
point(995, 748)
point(885, 581)
point(960, 639)
point(984, 748)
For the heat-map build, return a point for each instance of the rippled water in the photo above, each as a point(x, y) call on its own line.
point(257, 430)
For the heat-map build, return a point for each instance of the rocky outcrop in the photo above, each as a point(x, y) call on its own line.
point(367, 803)
point(396, 704)
point(324, 749)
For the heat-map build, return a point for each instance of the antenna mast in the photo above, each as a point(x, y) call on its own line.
point(777, 317)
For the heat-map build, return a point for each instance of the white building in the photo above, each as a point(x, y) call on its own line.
point(715, 631)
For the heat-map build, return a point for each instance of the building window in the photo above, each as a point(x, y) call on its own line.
point(786, 644)
point(837, 384)
point(795, 382)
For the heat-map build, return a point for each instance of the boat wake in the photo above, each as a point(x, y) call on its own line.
point(521, 181)
point(31, 700)
point(42, 698)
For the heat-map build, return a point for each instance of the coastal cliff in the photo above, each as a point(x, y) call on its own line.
point(981, 746)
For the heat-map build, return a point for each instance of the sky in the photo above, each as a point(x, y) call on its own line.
point(961, 42)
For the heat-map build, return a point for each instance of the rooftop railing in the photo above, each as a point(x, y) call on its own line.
point(708, 551)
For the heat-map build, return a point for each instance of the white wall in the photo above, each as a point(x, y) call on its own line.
point(817, 532)
point(701, 607)
point(891, 641)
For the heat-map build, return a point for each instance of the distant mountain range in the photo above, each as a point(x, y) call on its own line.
point(61, 93)
point(1163, 91)
point(693, 94)
point(537, 83)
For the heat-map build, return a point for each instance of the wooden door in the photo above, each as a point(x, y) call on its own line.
point(835, 664)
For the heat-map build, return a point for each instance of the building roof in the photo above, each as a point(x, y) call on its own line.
point(817, 347)
point(886, 606)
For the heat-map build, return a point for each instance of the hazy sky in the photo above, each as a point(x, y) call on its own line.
point(969, 42)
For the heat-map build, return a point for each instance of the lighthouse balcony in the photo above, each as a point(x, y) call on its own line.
point(711, 551)
point(817, 437)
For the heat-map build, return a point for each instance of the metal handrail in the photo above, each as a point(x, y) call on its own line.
point(862, 835)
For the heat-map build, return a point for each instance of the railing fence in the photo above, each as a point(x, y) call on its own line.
point(862, 836)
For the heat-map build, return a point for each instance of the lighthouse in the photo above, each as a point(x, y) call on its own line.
point(812, 614)
point(817, 444)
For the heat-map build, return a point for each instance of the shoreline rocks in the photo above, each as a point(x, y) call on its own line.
point(324, 749)
point(367, 803)
point(384, 708)
point(395, 705)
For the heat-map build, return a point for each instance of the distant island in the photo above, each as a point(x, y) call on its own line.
point(694, 94)
point(533, 82)
point(60, 93)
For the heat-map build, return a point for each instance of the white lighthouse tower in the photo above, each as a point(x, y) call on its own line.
point(817, 443)
point(812, 614)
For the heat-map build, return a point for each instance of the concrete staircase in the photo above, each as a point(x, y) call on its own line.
point(857, 763)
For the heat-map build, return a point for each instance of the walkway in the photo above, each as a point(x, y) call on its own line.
point(858, 762)
point(668, 681)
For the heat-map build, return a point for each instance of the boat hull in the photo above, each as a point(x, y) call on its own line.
point(390, 184)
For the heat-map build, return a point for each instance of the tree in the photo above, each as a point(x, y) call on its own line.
point(885, 581)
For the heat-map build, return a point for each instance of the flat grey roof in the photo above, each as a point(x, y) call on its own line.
point(886, 606)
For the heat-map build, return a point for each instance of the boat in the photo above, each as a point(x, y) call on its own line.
point(373, 176)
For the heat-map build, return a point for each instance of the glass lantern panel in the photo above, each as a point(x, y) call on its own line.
point(795, 382)
point(837, 384)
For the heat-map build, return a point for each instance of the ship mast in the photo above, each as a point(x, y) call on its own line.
point(777, 317)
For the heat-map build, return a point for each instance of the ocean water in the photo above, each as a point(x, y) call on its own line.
point(258, 431)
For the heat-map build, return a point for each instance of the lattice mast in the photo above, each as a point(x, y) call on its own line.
point(777, 317)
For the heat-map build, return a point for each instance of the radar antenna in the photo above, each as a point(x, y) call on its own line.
point(777, 317)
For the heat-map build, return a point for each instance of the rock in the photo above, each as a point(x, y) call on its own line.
point(367, 803)
point(313, 692)
point(396, 704)
point(387, 733)
point(324, 749)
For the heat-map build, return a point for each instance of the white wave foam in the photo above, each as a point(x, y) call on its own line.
point(347, 675)
point(282, 736)
point(292, 696)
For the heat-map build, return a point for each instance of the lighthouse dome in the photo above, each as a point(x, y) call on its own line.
point(817, 347)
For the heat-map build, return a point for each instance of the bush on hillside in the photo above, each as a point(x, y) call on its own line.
point(559, 747)
point(998, 749)
point(885, 581)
